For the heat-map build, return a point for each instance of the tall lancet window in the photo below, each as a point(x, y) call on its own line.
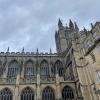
point(58, 68)
point(27, 94)
point(67, 93)
point(13, 69)
point(30, 69)
point(44, 68)
point(48, 94)
point(6, 94)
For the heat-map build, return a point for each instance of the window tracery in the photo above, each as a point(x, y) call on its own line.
point(44, 68)
point(13, 69)
point(6, 94)
point(30, 69)
point(67, 93)
point(27, 94)
point(58, 68)
point(48, 94)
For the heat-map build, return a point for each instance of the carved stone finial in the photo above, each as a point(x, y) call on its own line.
point(59, 22)
point(37, 51)
point(8, 49)
point(23, 49)
point(71, 25)
point(85, 30)
point(92, 25)
point(50, 51)
point(76, 27)
point(60, 25)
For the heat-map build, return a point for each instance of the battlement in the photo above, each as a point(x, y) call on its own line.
point(27, 54)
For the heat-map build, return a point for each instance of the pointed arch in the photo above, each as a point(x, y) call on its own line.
point(58, 68)
point(29, 60)
point(67, 93)
point(48, 94)
point(27, 94)
point(44, 68)
point(30, 68)
point(6, 94)
point(13, 69)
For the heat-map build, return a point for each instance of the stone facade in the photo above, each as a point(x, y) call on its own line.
point(73, 73)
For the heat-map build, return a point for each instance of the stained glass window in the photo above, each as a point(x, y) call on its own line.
point(6, 94)
point(67, 93)
point(48, 94)
point(44, 68)
point(27, 94)
point(30, 69)
point(13, 69)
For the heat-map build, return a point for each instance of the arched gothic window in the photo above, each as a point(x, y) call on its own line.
point(6, 94)
point(13, 69)
point(27, 94)
point(58, 68)
point(44, 68)
point(48, 94)
point(67, 93)
point(30, 69)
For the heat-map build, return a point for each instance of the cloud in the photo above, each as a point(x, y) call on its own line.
point(32, 23)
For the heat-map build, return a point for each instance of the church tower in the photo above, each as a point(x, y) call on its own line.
point(65, 35)
point(62, 37)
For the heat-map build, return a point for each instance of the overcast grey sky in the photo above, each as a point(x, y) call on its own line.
point(32, 23)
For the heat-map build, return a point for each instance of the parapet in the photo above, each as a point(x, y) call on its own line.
point(27, 54)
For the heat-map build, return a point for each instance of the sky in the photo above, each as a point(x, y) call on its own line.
point(32, 23)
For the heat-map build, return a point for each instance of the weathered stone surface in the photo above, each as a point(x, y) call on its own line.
point(76, 65)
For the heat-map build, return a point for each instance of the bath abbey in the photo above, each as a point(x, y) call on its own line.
point(73, 73)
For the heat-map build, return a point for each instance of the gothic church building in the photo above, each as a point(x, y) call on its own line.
point(73, 73)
